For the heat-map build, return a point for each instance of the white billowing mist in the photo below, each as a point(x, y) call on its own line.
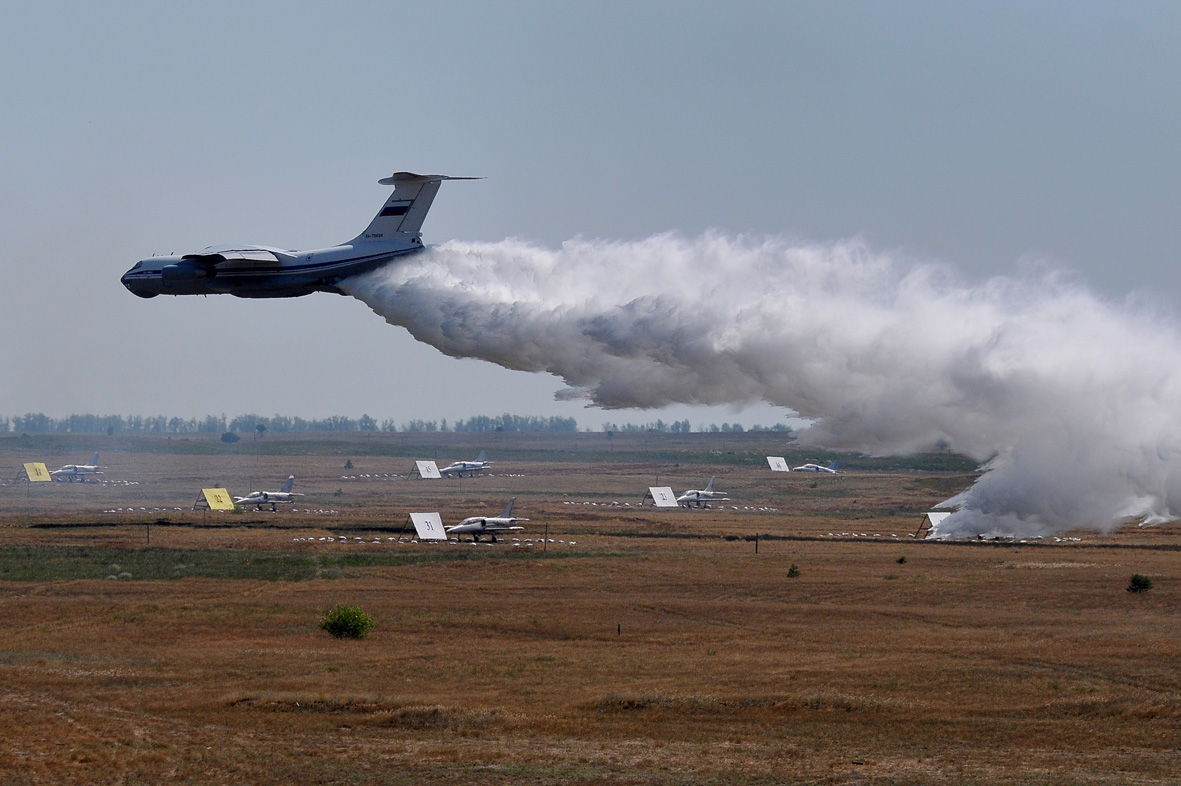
point(1074, 402)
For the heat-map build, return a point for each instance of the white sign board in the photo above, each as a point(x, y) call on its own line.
point(663, 496)
point(777, 464)
point(935, 518)
point(428, 526)
point(427, 469)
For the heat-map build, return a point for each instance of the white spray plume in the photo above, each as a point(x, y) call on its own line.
point(1074, 402)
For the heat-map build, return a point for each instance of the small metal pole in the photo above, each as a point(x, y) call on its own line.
point(756, 543)
point(149, 528)
point(545, 540)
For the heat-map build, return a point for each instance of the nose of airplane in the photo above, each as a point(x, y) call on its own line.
point(129, 281)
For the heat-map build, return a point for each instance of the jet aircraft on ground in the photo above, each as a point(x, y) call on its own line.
point(470, 467)
point(78, 472)
point(260, 498)
point(265, 271)
point(831, 468)
point(700, 497)
point(480, 525)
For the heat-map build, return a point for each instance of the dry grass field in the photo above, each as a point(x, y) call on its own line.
point(640, 646)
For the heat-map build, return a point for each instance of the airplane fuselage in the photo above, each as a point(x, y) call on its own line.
point(460, 467)
point(260, 498)
point(261, 271)
point(484, 525)
point(699, 498)
point(815, 468)
point(71, 471)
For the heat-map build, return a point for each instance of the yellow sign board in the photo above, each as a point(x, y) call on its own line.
point(218, 499)
point(37, 472)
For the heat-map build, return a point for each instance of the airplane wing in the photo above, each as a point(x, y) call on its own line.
point(216, 255)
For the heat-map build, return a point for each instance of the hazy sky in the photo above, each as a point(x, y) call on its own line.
point(989, 136)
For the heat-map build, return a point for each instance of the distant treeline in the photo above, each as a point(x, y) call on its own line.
point(682, 427)
point(37, 423)
point(258, 425)
point(481, 423)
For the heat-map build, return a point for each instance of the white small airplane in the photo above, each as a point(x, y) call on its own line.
point(831, 468)
point(470, 467)
point(260, 498)
point(700, 497)
point(479, 525)
point(72, 472)
point(265, 271)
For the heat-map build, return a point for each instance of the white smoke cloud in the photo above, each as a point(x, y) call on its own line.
point(1073, 401)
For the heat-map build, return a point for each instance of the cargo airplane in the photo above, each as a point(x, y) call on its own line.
point(470, 467)
point(266, 272)
point(79, 472)
point(260, 498)
point(490, 525)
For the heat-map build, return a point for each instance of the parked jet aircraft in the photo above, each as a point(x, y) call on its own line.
point(702, 496)
point(264, 271)
point(79, 472)
point(470, 467)
point(260, 498)
point(479, 525)
point(831, 468)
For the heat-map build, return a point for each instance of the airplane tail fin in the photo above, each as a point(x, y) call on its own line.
point(710, 487)
point(508, 509)
point(483, 456)
point(290, 484)
point(405, 210)
point(835, 465)
point(94, 459)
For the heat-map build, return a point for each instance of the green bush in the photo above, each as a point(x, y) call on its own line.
point(346, 622)
point(1139, 583)
point(901, 560)
point(794, 571)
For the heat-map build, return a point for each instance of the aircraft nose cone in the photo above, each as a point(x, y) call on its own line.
point(129, 282)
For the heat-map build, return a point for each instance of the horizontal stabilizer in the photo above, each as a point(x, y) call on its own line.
point(410, 177)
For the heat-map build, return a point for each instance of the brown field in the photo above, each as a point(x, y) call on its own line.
point(660, 647)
